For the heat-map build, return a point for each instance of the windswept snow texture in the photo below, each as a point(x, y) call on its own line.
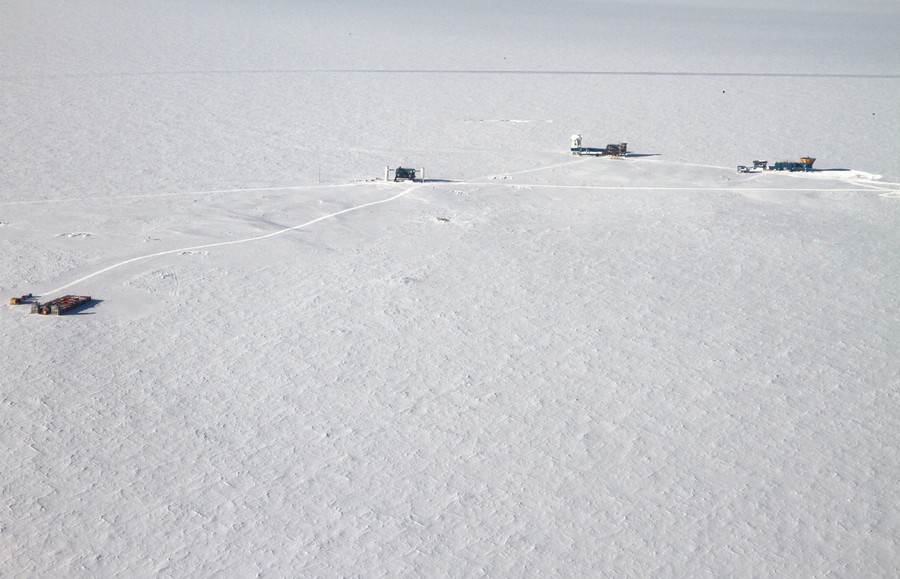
point(532, 364)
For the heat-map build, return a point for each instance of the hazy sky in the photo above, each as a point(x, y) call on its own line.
point(102, 36)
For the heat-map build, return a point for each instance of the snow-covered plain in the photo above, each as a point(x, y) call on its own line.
point(531, 364)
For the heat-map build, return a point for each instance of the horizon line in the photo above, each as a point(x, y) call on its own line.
point(462, 71)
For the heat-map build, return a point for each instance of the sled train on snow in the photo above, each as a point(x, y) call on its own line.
point(804, 164)
point(56, 307)
point(611, 150)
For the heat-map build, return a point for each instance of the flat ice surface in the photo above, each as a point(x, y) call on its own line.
point(531, 364)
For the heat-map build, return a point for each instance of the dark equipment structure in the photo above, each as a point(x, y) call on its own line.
point(404, 174)
point(60, 305)
point(805, 164)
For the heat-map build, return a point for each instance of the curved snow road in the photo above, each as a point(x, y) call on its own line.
point(886, 192)
point(233, 242)
point(268, 235)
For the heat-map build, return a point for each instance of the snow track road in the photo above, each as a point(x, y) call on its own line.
point(884, 188)
point(268, 235)
point(233, 242)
